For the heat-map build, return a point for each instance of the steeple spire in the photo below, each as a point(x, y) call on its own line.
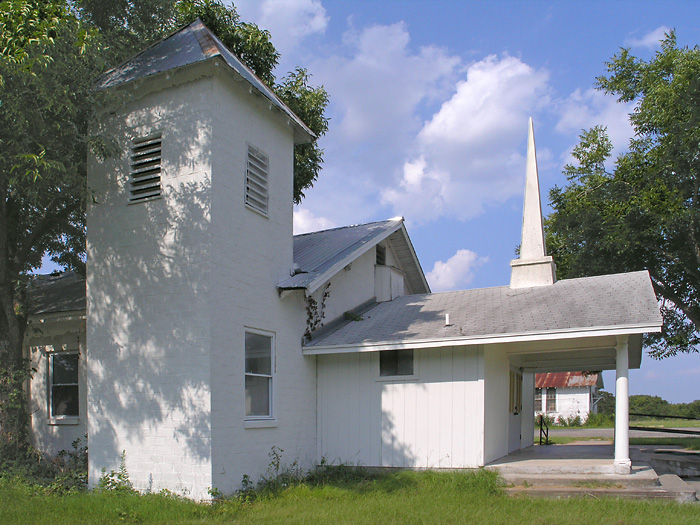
point(534, 267)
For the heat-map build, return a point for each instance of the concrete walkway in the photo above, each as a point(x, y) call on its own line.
point(585, 468)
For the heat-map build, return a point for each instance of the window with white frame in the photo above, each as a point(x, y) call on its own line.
point(551, 399)
point(64, 389)
point(538, 400)
point(145, 168)
point(256, 180)
point(259, 368)
point(396, 363)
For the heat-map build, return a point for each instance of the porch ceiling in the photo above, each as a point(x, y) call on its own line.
point(593, 353)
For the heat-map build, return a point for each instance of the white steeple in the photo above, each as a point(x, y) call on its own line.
point(534, 267)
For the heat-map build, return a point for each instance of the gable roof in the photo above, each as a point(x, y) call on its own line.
point(320, 255)
point(48, 294)
point(568, 379)
point(189, 45)
point(608, 304)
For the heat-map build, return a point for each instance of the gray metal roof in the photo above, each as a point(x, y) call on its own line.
point(189, 45)
point(620, 300)
point(316, 254)
point(48, 294)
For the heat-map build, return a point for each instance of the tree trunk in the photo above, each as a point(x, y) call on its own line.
point(14, 371)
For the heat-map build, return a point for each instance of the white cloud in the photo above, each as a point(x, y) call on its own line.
point(456, 272)
point(377, 89)
point(583, 110)
point(288, 21)
point(651, 39)
point(305, 221)
point(469, 152)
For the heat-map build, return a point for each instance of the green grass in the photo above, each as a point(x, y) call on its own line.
point(664, 423)
point(402, 497)
point(691, 443)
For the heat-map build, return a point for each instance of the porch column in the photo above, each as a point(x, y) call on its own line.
point(623, 465)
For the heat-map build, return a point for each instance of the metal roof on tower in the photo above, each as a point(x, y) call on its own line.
point(192, 44)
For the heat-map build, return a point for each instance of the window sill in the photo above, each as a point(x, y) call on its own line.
point(260, 423)
point(64, 421)
point(394, 379)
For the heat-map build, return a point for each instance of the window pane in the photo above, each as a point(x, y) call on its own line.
point(258, 354)
point(396, 363)
point(64, 401)
point(65, 369)
point(257, 396)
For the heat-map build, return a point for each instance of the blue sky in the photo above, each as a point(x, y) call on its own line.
point(429, 108)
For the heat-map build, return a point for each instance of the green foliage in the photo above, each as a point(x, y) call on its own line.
point(116, 481)
point(606, 405)
point(26, 27)
point(644, 213)
point(600, 420)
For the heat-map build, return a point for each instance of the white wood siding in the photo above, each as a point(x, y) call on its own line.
point(432, 420)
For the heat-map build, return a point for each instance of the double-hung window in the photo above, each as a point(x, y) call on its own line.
point(259, 368)
point(64, 388)
point(551, 399)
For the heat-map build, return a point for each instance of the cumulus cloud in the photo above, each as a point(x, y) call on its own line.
point(470, 149)
point(305, 221)
point(288, 21)
point(651, 39)
point(585, 109)
point(377, 88)
point(455, 273)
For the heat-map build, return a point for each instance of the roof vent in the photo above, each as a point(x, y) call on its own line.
point(145, 168)
point(256, 180)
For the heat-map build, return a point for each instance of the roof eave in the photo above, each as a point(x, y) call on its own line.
point(324, 277)
point(545, 335)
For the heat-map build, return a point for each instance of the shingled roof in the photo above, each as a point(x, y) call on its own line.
point(48, 294)
point(189, 45)
point(585, 305)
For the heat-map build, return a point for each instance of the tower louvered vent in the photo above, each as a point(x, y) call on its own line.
point(144, 180)
point(256, 189)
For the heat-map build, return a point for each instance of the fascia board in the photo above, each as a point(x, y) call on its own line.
point(482, 340)
point(55, 317)
point(352, 256)
point(415, 258)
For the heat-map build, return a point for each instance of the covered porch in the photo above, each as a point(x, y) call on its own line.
point(617, 350)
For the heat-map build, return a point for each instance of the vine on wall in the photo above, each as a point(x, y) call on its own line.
point(315, 312)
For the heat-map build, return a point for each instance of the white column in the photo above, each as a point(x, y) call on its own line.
point(623, 464)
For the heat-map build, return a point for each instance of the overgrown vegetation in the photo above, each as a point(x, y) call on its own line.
point(332, 494)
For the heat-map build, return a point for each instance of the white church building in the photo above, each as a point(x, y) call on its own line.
point(206, 333)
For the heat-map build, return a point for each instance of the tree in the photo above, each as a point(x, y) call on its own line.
point(45, 97)
point(645, 212)
point(51, 52)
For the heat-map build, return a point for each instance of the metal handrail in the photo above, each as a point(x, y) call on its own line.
point(544, 430)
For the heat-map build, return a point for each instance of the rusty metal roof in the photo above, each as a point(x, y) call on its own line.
point(568, 379)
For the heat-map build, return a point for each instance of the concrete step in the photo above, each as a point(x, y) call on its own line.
point(591, 492)
point(643, 478)
point(667, 486)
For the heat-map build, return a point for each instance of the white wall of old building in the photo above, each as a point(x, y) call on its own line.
point(432, 419)
point(148, 284)
point(251, 252)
